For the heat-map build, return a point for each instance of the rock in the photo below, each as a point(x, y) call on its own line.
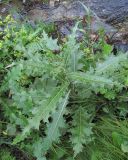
point(65, 12)
point(112, 15)
point(121, 47)
point(3, 10)
point(113, 11)
point(64, 29)
point(10, 6)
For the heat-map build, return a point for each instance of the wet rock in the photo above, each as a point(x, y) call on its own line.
point(65, 12)
point(113, 11)
point(121, 47)
point(3, 10)
point(11, 6)
point(64, 30)
point(112, 15)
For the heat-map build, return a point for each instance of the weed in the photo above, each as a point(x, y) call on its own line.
point(51, 102)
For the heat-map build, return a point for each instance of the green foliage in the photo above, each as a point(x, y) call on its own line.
point(81, 131)
point(53, 129)
point(5, 155)
point(16, 37)
point(111, 140)
point(52, 93)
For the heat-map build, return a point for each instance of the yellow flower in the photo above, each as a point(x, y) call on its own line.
point(8, 35)
point(1, 22)
point(0, 45)
point(5, 38)
point(8, 18)
point(126, 82)
point(87, 50)
point(12, 20)
point(6, 29)
point(5, 133)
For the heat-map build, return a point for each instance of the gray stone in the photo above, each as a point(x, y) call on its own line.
point(112, 15)
point(113, 11)
point(68, 11)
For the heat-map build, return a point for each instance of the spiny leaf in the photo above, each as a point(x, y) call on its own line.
point(86, 78)
point(38, 149)
point(43, 112)
point(81, 131)
point(50, 43)
point(53, 130)
point(44, 44)
point(111, 64)
point(71, 52)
